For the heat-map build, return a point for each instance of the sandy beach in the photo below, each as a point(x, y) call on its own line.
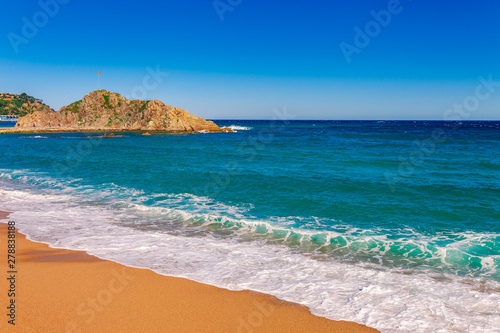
point(59, 290)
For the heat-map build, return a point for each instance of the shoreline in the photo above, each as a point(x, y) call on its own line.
point(76, 292)
point(13, 130)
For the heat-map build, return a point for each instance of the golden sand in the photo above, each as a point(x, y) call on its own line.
point(59, 290)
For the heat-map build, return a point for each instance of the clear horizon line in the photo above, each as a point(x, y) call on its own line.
point(450, 121)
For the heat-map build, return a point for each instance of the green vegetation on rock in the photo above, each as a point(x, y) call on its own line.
point(106, 102)
point(143, 106)
point(20, 105)
point(73, 107)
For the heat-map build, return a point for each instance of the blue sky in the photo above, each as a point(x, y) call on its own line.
point(414, 63)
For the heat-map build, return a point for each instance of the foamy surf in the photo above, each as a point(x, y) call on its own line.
point(236, 128)
point(470, 254)
point(106, 223)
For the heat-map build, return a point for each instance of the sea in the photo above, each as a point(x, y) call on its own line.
point(6, 123)
point(391, 224)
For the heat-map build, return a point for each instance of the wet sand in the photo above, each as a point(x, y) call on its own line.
point(60, 290)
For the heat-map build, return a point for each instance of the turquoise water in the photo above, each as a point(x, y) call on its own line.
point(417, 200)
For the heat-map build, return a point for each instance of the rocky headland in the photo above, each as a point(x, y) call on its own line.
point(21, 105)
point(102, 110)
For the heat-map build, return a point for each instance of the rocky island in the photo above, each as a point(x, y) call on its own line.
point(102, 110)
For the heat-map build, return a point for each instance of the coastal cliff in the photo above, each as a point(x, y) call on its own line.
point(104, 110)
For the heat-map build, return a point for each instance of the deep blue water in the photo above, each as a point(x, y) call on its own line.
point(7, 123)
point(416, 196)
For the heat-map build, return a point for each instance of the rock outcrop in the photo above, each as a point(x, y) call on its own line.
point(21, 105)
point(104, 110)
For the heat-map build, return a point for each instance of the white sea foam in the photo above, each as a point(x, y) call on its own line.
point(456, 252)
point(236, 128)
point(389, 300)
point(34, 137)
